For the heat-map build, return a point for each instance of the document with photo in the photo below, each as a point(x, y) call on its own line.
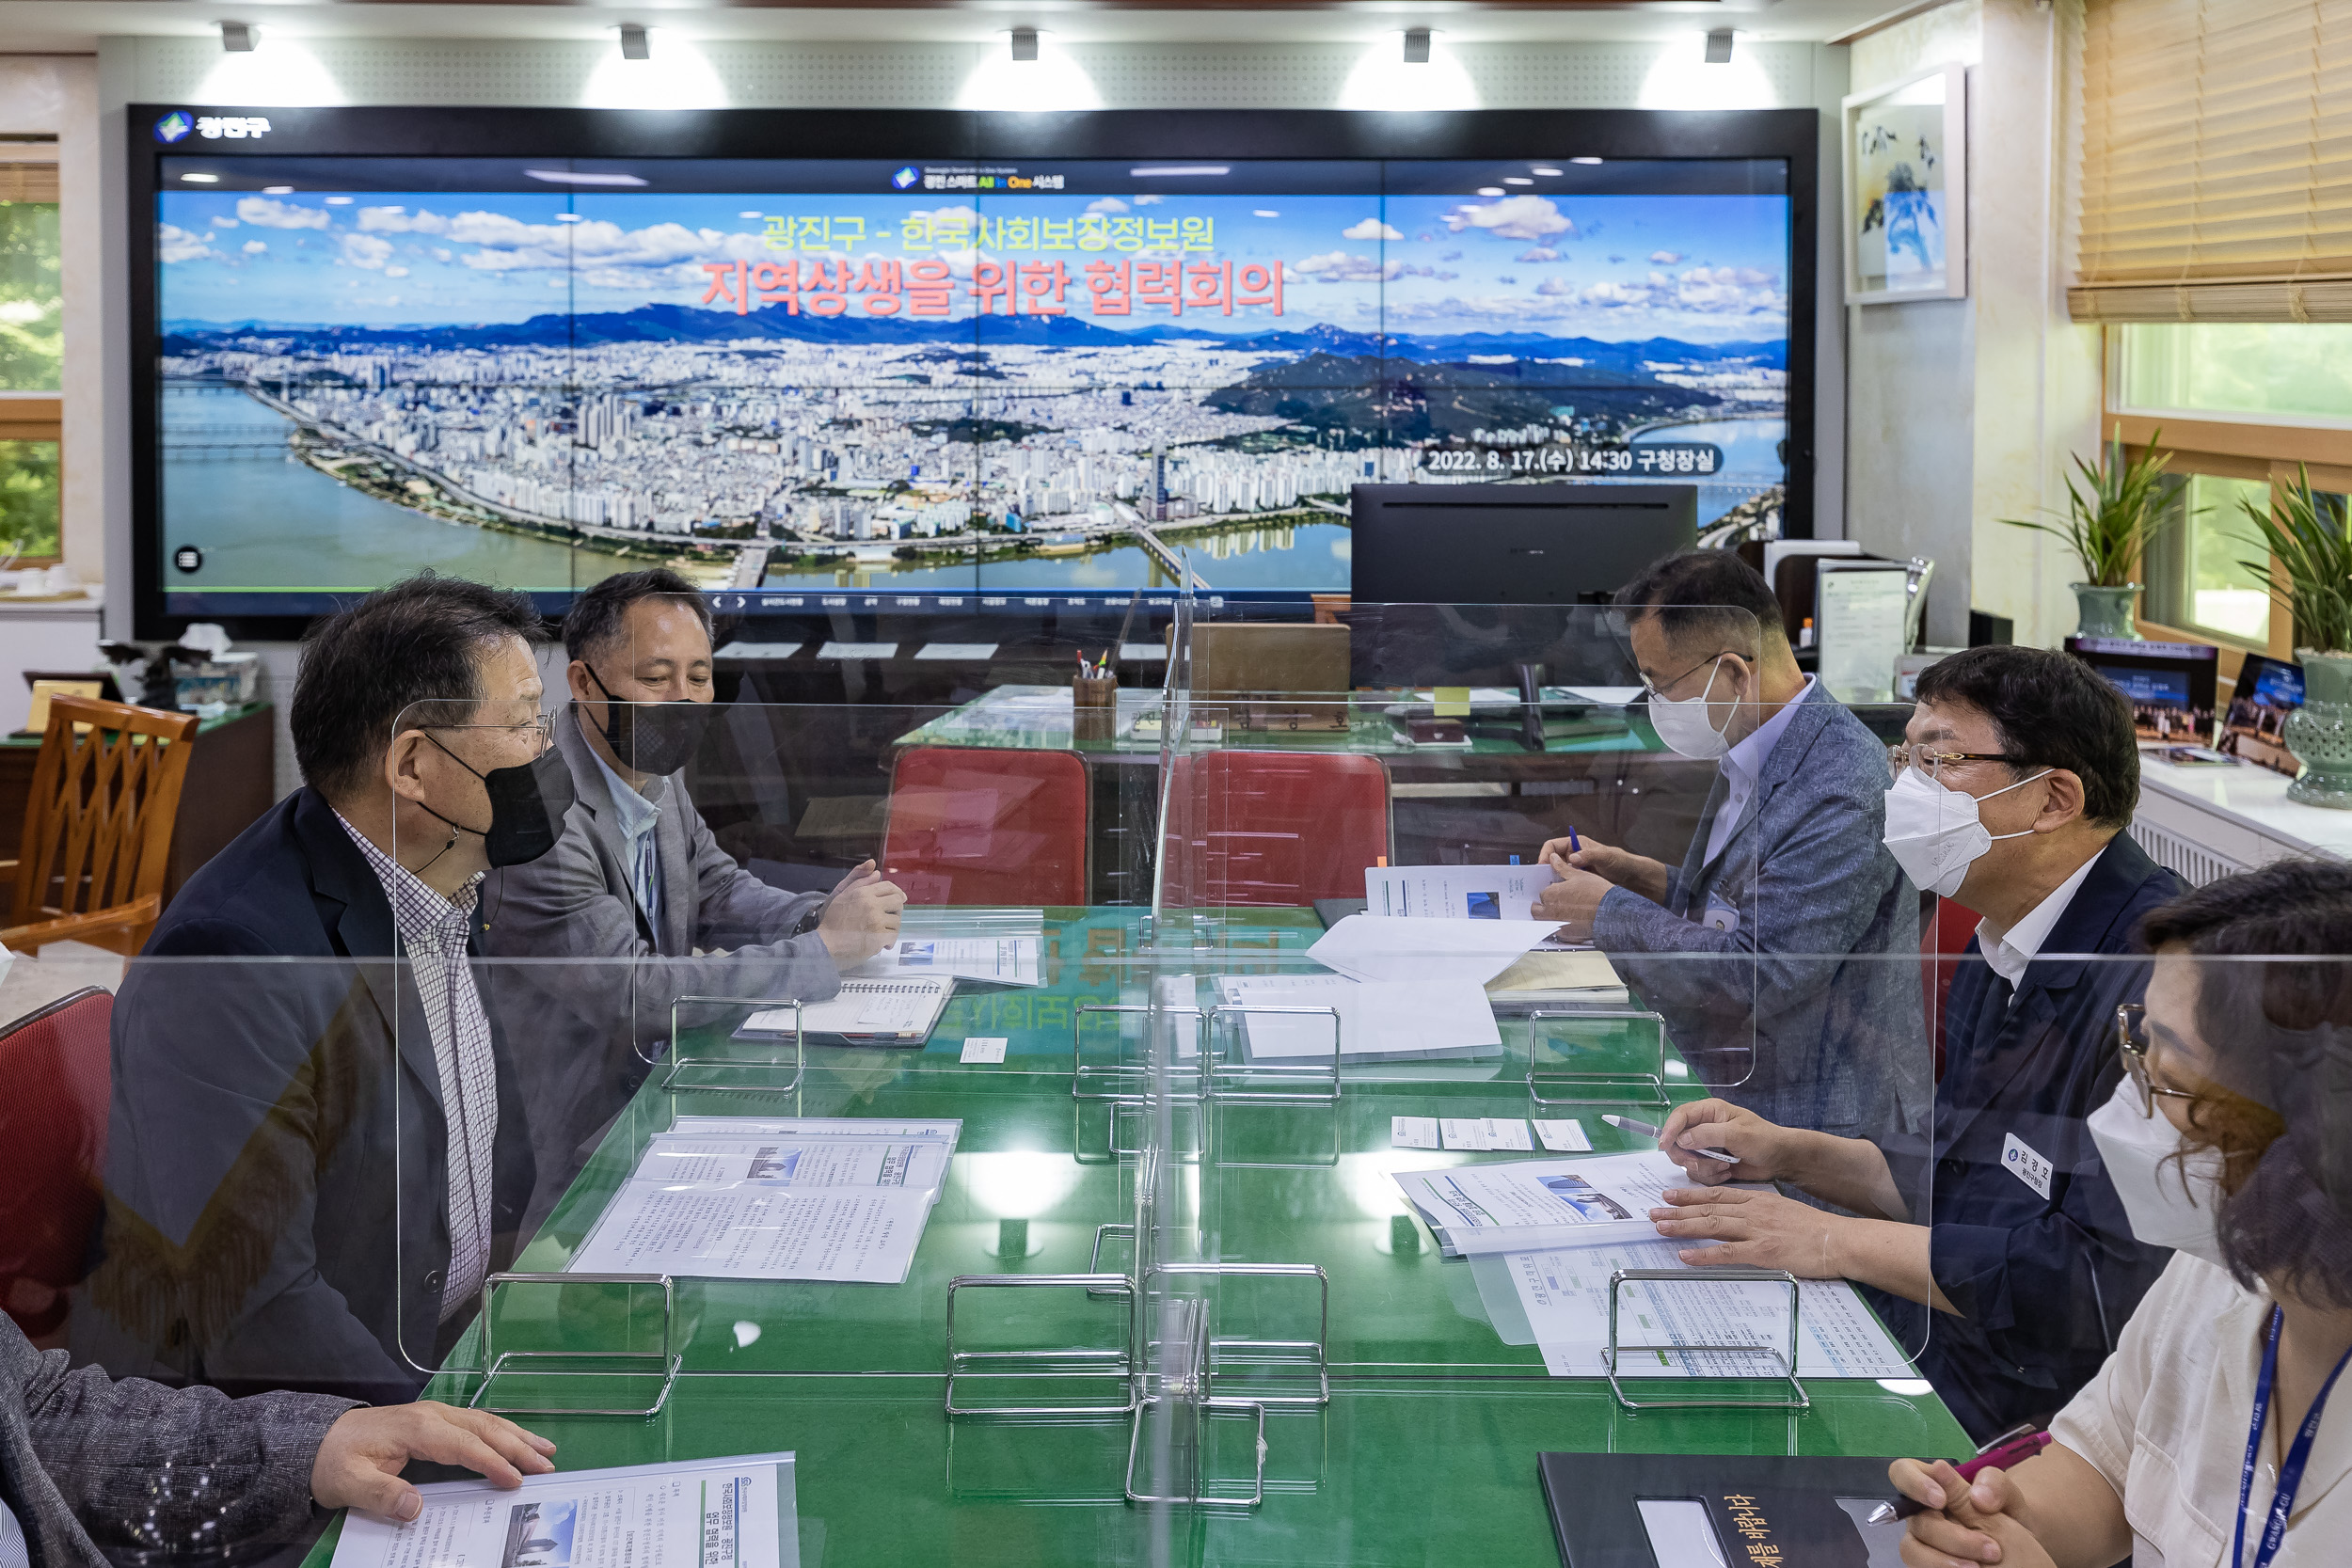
point(1379, 1021)
point(1531, 1205)
point(694, 1513)
point(807, 1162)
point(1455, 892)
point(757, 1230)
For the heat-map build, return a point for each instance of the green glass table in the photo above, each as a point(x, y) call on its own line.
point(1424, 1452)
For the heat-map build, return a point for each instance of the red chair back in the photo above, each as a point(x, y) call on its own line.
point(973, 826)
point(1272, 828)
point(1940, 948)
point(53, 1152)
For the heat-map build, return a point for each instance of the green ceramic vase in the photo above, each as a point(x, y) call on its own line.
point(2106, 610)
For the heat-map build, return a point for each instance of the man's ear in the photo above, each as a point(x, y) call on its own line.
point(576, 680)
point(403, 763)
point(2063, 804)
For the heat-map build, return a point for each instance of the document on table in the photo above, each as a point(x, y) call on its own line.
point(782, 1161)
point(691, 1513)
point(948, 1130)
point(1456, 891)
point(1532, 1205)
point(1379, 1021)
point(1383, 947)
point(1008, 960)
point(757, 1230)
point(1564, 1295)
point(904, 1008)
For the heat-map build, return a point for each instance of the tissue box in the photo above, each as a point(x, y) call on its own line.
point(225, 680)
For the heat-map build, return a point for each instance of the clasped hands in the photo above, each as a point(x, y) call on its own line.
point(1587, 870)
point(862, 916)
point(1967, 1522)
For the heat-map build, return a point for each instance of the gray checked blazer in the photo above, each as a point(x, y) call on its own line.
point(75, 1446)
point(1809, 1013)
point(599, 996)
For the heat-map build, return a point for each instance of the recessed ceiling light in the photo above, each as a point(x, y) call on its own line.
point(202, 179)
point(1490, 190)
point(339, 201)
point(1546, 173)
point(1584, 160)
point(277, 190)
point(1517, 180)
point(1025, 43)
point(238, 38)
point(633, 43)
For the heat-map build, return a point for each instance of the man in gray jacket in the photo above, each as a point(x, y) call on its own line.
point(1770, 951)
point(637, 898)
point(83, 1455)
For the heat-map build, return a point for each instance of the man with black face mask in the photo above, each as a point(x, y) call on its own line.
point(638, 893)
point(313, 1165)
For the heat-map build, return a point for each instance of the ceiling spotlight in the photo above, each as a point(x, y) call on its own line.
point(1490, 190)
point(1417, 46)
point(1517, 180)
point(202, 179)
point(238, 38)
point(1718, 46)
point(277, 190)
point(1025, 43)
point(634, 45)
point(1584, 160)
point(1546, 173)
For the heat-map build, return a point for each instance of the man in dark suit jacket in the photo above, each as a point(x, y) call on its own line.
point(2021, 772)
point(315, 1151)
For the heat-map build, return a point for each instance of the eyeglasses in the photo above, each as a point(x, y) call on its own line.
point(543, 723)
point(1932, 763)
point(1660, 688)
point(2131, 1037)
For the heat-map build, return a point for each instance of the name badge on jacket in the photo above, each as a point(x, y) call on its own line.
point(1719, 915)
point(2020, 1161)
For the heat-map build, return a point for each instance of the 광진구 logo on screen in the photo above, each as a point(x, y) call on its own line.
point(173, 126)
point(905, 178)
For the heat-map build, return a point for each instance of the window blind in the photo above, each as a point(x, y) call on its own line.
point(29, 182)
point(2217, 179)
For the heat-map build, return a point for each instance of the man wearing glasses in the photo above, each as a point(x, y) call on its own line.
point(2018, 778)
point(313, 1164)
point(1744, 949)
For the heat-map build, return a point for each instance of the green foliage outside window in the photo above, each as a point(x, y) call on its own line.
point(32, 306)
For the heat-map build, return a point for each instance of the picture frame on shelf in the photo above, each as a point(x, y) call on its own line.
point(1906, 188)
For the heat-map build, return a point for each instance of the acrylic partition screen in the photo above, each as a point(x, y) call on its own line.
point(1072, 377)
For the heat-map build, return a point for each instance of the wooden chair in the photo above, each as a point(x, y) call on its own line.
point(97, 840)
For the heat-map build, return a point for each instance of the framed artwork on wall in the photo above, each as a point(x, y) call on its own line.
point(1906, 212)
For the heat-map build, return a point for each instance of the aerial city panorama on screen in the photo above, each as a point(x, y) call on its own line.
point(943, 386)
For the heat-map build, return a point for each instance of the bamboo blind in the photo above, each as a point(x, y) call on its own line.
point(29, 182)
point(2217, 161)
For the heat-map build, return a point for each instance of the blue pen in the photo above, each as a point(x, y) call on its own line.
point(1574, 846)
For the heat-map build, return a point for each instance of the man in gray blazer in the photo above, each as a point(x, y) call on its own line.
point(637, 899)
point(79, 1452)
point(1770, 951)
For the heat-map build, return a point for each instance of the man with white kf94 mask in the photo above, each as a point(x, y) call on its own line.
point(1744, 949)
point(2019, 774)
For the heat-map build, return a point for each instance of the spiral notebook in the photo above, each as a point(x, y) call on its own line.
point(897, 1011)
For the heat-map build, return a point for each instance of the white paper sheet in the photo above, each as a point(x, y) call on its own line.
point(948, 1130)
point(757, 1231)
point(1456, 891)
point(1605, 696)
point(857, 650)
point(692, 1514)
point(783, 1161)
point(1564, 1295)
point(1566, 1136)
point(760, 650)
point(985, 1047)
point(1412, 1131)
point(1532, 1205)
point(1380, 1020)
point(1388, 947)
point(1010, 961)
point(902, 1008)
point(957, 650)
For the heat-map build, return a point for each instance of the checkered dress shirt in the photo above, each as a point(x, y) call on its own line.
point(432, 934)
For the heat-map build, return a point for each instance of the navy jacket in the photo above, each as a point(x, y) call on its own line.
point(277, 1196)
point(2044, 1285)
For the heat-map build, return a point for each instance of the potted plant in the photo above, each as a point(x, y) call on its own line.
point(2109, 518)
point(2310, 573)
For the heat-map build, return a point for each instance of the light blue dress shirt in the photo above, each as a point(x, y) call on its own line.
point(1743, 766)
point(638, 814)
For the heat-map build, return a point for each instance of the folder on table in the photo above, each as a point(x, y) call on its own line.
point(1699, 1510)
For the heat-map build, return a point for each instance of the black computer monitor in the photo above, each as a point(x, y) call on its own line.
point(1512, 544)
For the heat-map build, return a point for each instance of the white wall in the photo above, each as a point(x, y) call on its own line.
point(427, 73)
point(1962, 412)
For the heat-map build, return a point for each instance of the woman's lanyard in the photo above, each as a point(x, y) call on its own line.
point(2298, 1454)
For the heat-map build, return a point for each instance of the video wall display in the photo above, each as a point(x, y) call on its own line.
point(1075, 376)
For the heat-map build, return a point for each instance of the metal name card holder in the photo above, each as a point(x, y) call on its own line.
point(573, 1366)
point(1124, 1088)
point(1747, 1354)
point(679, 1063)
point(1646, 1083)
point(1241, 1086)
point(1164, 1383)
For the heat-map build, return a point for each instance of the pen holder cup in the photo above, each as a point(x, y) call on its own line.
point(1093, 708)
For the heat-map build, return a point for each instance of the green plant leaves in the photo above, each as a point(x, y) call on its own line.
point(2310, 570)
point(2112, 513)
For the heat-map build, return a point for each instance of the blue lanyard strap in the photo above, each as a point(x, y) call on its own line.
point(2298, 1453)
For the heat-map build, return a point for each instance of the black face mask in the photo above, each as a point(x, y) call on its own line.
point(527, 806)
point(652, 738)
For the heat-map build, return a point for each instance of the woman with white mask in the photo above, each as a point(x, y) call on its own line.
point(2218, 1432)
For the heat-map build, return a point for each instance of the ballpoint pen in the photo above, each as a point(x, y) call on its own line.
point(1643, 1129)
point(2013, 1447)
point(1574, 845)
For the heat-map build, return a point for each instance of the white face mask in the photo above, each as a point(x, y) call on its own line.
point(1684, 725)
point(2169, 1202)
point(1932, 830)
